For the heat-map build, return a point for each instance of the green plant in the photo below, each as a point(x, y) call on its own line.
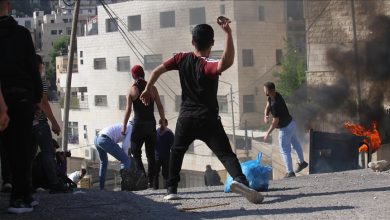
point(292, 73)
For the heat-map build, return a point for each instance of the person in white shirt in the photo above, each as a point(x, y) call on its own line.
point(77, 175)
point(107, 142)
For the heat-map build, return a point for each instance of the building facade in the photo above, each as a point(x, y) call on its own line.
point(158, 31)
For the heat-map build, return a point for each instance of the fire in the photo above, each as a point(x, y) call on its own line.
point(372, 135)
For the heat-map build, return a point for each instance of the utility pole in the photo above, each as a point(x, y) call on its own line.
point(233, 124)
point(246, 140)
point(69, 76)
point(356, 61)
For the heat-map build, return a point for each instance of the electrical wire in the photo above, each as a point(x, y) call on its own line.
point(139, 41)
point(69, 5)
point(132, 47)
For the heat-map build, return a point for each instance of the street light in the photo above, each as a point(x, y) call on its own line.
point(231, 103)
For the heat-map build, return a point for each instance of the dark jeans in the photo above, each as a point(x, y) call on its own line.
point(164, 165)
point(144, 132)
point(43, 138)
point(17, 141)
point(212, 133)
point(6, 176)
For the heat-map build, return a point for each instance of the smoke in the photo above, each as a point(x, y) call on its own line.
point(373, 65)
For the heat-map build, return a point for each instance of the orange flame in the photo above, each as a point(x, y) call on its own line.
point(372, 135)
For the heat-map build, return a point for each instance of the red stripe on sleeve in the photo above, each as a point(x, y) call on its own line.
point(173, 63)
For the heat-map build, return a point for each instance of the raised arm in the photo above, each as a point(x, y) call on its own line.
point(227, 58)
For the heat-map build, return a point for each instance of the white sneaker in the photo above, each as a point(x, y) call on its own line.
point(19, 207)
point(171, 197)
point(250, 194)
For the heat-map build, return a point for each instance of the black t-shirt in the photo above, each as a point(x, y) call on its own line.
point(199, 83)
point(143, 113)
point(279, 110)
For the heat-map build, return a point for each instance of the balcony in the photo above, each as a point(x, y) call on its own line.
point(75, 102)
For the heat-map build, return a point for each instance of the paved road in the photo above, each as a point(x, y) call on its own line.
point(360, 194)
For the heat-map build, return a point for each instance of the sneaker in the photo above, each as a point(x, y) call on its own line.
point(289, 175)
point(301, 166)
point(19, 207)
point(250, 194)
point(58, 188)
point(172, 194)
point(6, 188)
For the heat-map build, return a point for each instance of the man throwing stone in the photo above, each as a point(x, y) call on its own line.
point(198, 117)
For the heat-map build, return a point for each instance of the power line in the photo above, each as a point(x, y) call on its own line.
point(137, 39)
point(137, 53)
point(142, 44)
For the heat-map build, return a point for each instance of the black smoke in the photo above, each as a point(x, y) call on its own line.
point(373, 66)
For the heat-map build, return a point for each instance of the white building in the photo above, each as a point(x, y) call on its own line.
point(158, 30)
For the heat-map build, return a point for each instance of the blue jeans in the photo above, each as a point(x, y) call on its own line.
point(105, 145)
point(288, 139)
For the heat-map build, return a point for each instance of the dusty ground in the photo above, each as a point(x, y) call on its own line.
point(360, 194)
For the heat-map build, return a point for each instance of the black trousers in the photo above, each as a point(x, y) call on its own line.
point(17, 141)
point(6, 176)
point(144, 132)
point(212, 133)
point(161, 164)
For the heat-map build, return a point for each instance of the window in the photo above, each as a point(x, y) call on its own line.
point(111, 25)
point(81, 54)
point(81, 62)
point(216, 54)
point(85, 132)
point(279, 56)
point(134, 22)
point(73, 132)
point(99, 63)
point(100, 100)
point(53, 32)
point(65, 20)
point(122, 102)
point(167, 19)
point(52, 21)
point(197, 16)
point(249, 103)
point(152, 61)
point(123, 64)
point(27, 24)
point(247, 57)
point(162, 103)
point(223, 104)
point(68, 31)
point(261, 13)
point(177, 103)
point(59, 32)
point(222, 9)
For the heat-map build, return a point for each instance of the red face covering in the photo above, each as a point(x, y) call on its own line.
point(137, 72)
